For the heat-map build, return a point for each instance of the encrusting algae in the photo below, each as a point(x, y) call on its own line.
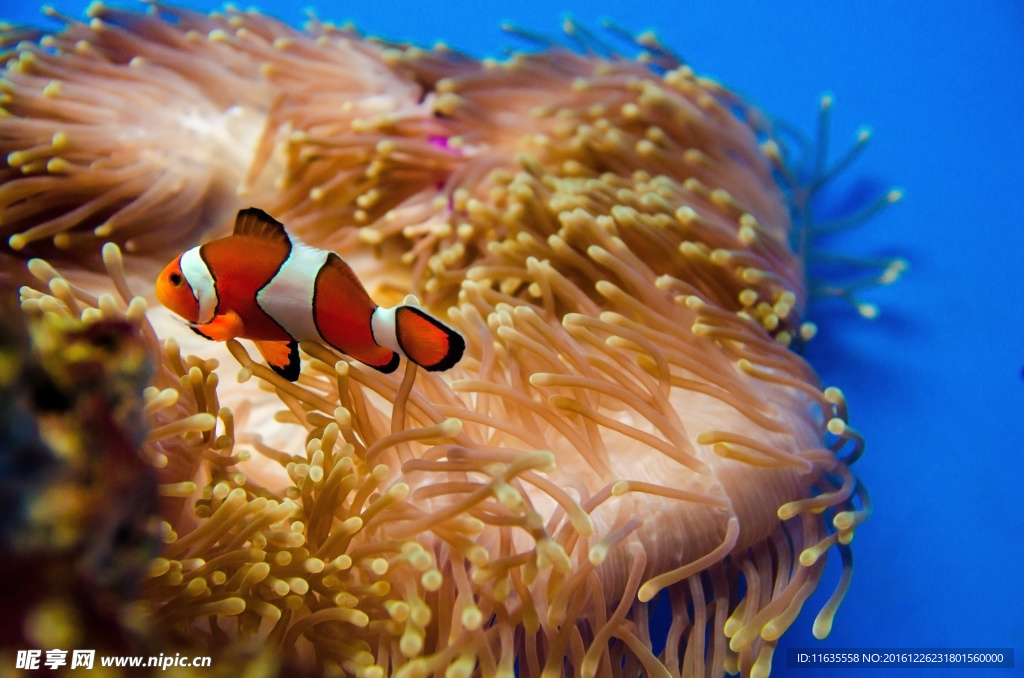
point(629, 423)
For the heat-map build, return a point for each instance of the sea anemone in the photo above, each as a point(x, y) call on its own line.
point(630, 423)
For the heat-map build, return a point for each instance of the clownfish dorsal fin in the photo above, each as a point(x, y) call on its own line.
point(256, 223)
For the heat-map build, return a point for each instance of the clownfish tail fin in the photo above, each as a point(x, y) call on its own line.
point(427, 341)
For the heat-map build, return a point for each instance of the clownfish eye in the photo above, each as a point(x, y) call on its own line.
point(175, 279)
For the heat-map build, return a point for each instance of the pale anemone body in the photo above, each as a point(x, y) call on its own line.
point(628, 418)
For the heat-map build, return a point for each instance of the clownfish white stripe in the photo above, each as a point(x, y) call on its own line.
point(382, 325)
point(197, 275)
point(287, 298)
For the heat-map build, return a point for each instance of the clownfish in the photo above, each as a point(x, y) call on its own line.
point(261, 283)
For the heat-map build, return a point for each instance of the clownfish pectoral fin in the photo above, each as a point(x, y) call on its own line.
point(258, 224)
point(199, 332)
point(224, 326)
point(427, 341)
point(282, 356)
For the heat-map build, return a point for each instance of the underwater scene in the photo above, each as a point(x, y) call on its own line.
point(511, 339)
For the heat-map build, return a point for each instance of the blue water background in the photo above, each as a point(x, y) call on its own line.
point(935, 383)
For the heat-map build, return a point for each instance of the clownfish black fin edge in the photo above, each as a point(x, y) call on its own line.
point(391, 365)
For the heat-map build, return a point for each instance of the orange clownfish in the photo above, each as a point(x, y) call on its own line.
point(262, 284)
